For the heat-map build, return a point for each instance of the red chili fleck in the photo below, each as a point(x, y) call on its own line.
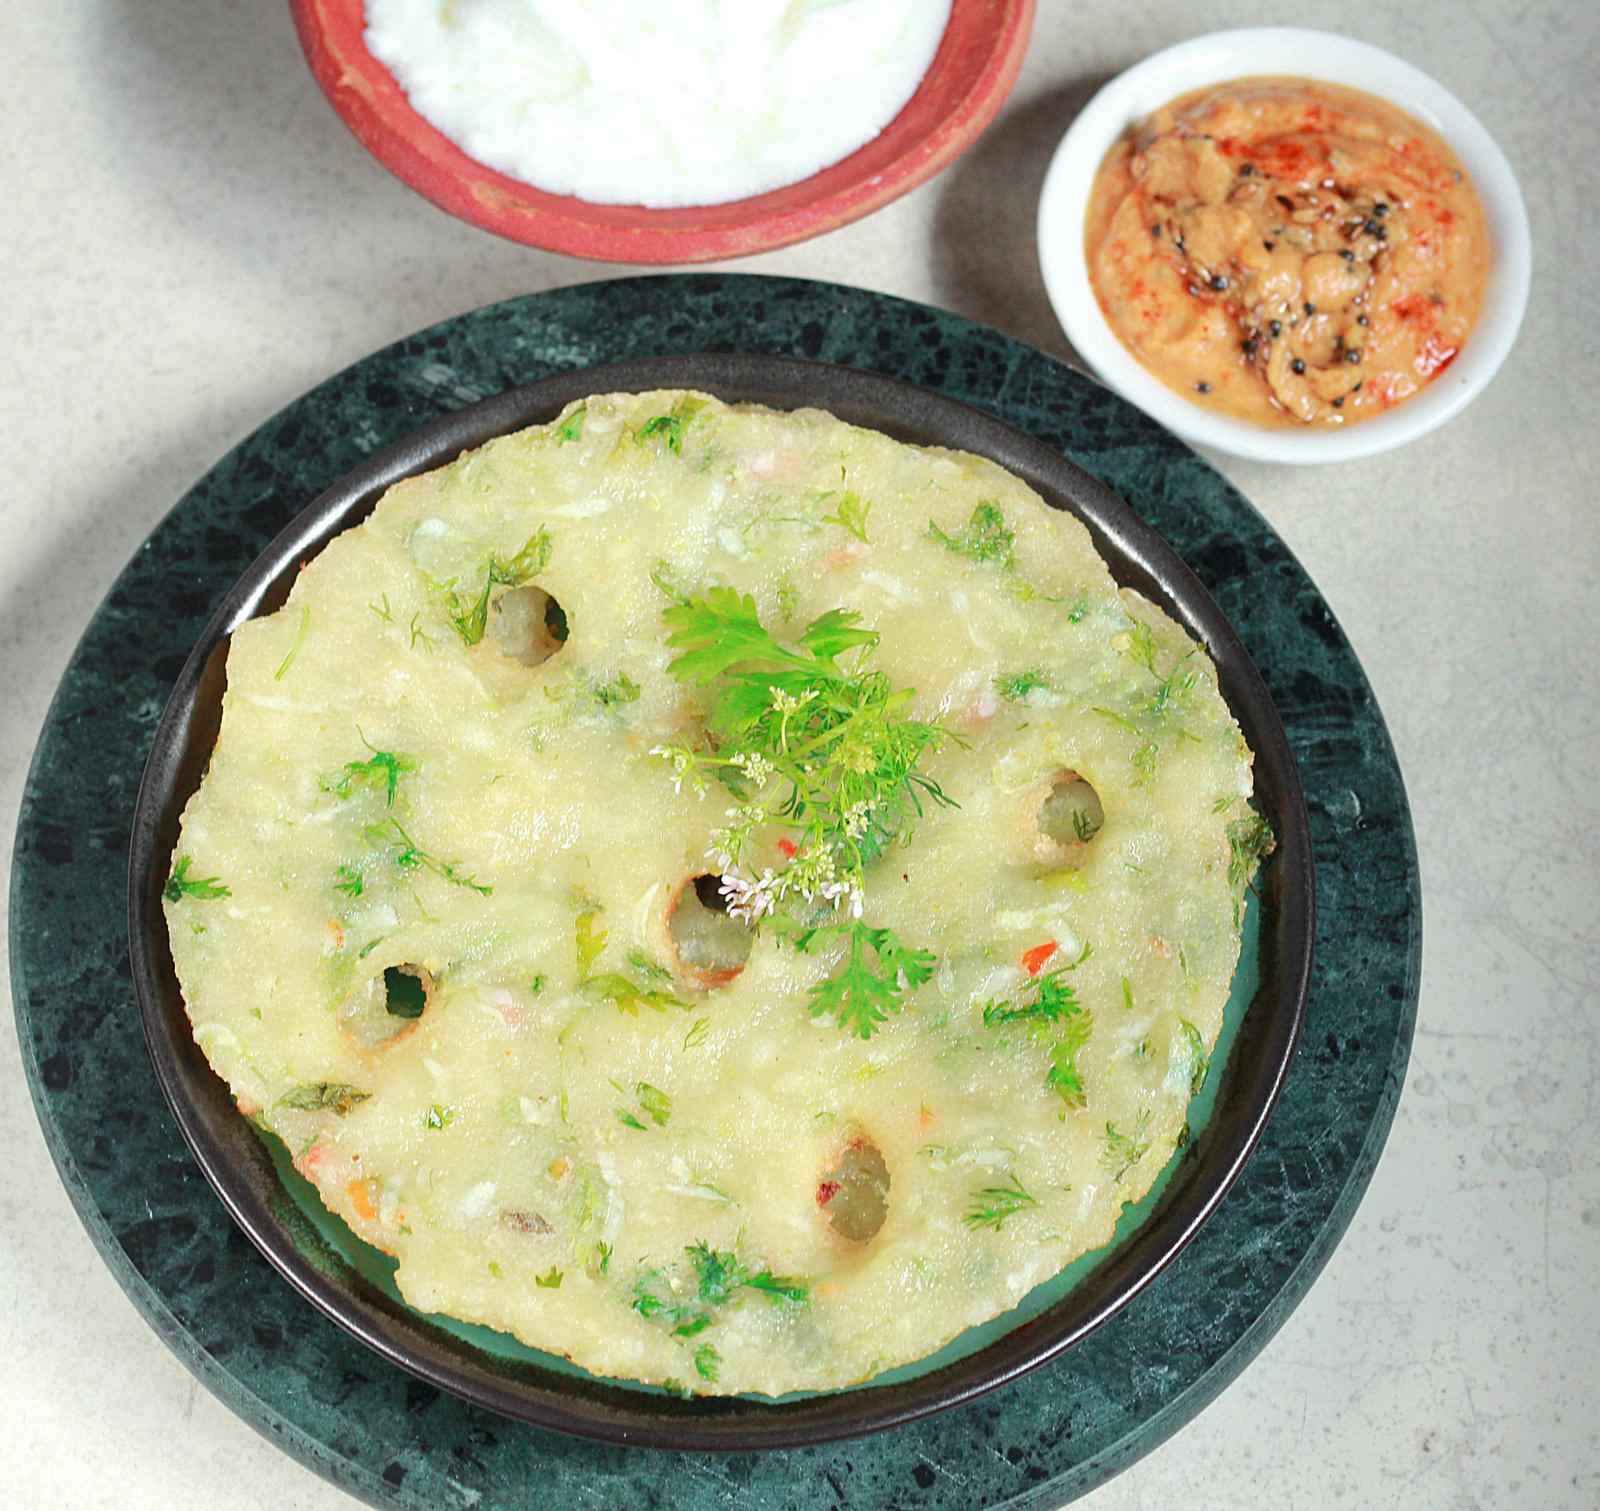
point(826, 1192)
point(1033, 961)
point(788, 846)
point(1417, 308)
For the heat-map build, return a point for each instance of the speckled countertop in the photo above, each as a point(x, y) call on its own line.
point(194, 240)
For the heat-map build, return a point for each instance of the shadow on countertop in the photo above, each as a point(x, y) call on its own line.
point(985, 254)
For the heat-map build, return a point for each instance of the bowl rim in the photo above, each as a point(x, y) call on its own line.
point(1329, 58)
point(239, 1171)
point(987, 48)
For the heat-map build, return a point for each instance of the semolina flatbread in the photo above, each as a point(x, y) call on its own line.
point(558, 1003)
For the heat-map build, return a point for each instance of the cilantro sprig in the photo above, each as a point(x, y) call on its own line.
point(382, 770)
point(1055, 1007)
point(469, 616)
point(990, 1206)
point(202, 888)
point(817, 746)
point(719, 1277)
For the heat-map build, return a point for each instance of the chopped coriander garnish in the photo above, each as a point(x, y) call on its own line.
point(629, 996)
point(1055, 1002)
point(1123, 1151)
point(384, 612)
point(849, 513)
point(1015, 687)
point(294, 650)
point(412, 857)
point(831, 740)
point(347, 880)
point(719, 1276)
point(697, 1033)
point(318, 1096)
point(1251, 840)
point(440, 1116)
point(571, 428)
point(672, 426)
point(382, 770)
point(470, 617)
point(1127, 994)
point(706, 1362)
point(656, 1103)
point(1199, 1060)
point(1063, 1076)
point(203, 889)
point(992, 1205)
point(865, 993)
point(984, 537)
point(420, 636)
point(665, 576)
point(535, 985)
point(620, 689)
point(628, 1120)
point(550, 1280)
point(590, 941)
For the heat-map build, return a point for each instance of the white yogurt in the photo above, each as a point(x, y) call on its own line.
point(658, 102)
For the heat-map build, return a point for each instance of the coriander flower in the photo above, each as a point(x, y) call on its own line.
point(748, 898)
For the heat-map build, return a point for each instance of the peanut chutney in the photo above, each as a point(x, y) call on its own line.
point(1288, 252)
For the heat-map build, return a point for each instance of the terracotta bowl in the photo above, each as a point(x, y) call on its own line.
point(971, 74)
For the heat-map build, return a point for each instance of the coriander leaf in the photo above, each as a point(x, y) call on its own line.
point(318, 1096)
point(706, 1362)
point(671, 427)
point(629, 996)
point(1199, 1060)
point(470, 617)
point(697, 1033)
point(571, 428)
point(990, 1206)
point(830, 635)
point(1055, 999)
point(412, 857)
point(294, 650)
point(1123, 1151)
point(984, 537)
point(203, 889)
point(1250, 840)
point(865, 993)
point(620, 689)
point(1015, 687)
point(382, 770)
point(849, 513)
point(550, 1280)
point(347, 880)
point(628, 1120)
point(439, 1116)
point(656, 1104)
point(590, 942)
point(1063, 1077)
point(718, 631)
point(1142, 645)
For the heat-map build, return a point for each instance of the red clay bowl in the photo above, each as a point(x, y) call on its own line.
point(970, 76)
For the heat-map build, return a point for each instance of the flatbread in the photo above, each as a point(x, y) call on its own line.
point(600, 1134)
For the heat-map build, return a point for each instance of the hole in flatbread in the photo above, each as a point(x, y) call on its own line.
point(528, 625)
point(711, 947)
point(854, 1193)
point(1069, 818)
point(387, 1006)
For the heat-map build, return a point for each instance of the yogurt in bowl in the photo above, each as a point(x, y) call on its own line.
point(1283, 375)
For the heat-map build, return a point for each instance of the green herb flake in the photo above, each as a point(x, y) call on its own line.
point(496, 1271)
point(382, 770)
point(655, 1103)
point(320, 1096)
point(1127, 994)
point(550, 1280)
point(671, 427)
point(849, 513)
point(383, 611)
point(1016, 687)
point(1123, 1151)
point(571, 426)
point(202, 888)
point(589, 940)
point(619, 690)
point(628, 1120)
point(990, 1206)
point(294, 649)
point(984, 537)
point(440, 1116)
point(628, 995)
point(1195, 1051)
point(412, 857)
point(706, 1362)
point(469, 617)
point(535, 985)
point(347, 880)
point(697, 1033)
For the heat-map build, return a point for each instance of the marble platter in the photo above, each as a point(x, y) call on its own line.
point(397, 1440)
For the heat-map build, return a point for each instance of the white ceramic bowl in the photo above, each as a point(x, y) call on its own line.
point(1215, 59)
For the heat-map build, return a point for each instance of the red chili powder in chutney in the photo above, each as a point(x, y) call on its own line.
point(1287, 252)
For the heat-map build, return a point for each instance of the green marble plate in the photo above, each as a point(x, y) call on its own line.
point(398, 1441)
